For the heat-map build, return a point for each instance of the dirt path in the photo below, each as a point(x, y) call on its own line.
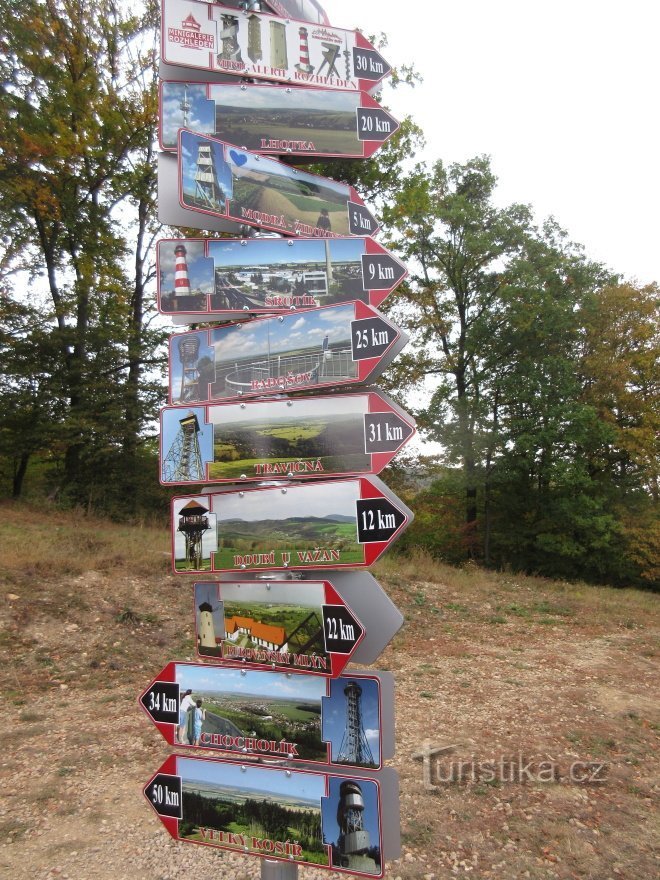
point(497, 670)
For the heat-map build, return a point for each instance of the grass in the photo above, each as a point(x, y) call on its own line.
point(70, 543)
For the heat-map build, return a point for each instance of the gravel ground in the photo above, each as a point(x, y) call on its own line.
point(490, 669)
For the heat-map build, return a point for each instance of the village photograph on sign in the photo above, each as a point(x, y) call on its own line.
point(220, 179)
point(304, 817)
point(269, 275)
point(296, 351)
point(275, 119)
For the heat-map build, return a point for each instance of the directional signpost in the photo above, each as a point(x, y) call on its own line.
point(335, 346)
point(296, 512)
point(206, 279)
point(312, 627)
point(252, 714)
point(222, 40)
point(338, 523)
point(326, 820)
point(278, 120)
point(301, 437)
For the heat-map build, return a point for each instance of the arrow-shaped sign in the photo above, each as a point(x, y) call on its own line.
point(341, 822)
point(339, 524)
point(322, 630)
point(207, 279)
point(276, 120)
point(299, 437)
point(341, 345)
point(220, 180)
point(225, 41)
point(276, 624)
point(290, 716)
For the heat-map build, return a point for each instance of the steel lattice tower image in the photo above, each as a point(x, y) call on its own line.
point(354, 748)
point(183, 462)
point(189, 355)
point(208, 191)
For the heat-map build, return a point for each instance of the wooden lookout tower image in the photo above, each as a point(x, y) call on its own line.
point(354, 748)
point(183, 462)
point(193, 523)
point(354, 843)
point(189, 356)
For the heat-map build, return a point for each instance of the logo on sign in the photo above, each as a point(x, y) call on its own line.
point(190, 35)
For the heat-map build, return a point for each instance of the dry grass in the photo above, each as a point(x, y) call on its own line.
point(47, 542)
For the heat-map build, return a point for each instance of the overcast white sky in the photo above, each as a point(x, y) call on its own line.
point(563, 96)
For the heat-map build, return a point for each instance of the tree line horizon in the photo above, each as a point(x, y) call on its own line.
point(534, 367)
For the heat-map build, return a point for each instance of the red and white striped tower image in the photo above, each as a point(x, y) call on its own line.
point(181, 279)
point(304, 66)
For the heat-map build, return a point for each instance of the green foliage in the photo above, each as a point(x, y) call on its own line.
point(545, 395)
point(77, 181)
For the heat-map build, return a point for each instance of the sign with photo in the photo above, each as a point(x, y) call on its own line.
point(202, 279)
point(256, 45)
point(278, 625)
point(277, 120)
point(292, 599)
point(252, 714)
point(298, 438)
point(336, 524)
point(307, 817)
point(221, 180)
point(334, 346)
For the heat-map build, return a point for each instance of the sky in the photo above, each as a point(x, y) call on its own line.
point(563, 96)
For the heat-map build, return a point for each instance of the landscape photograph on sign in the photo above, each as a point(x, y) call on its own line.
point(281, 713)
point(226, 181)
point(304, 526)
point(309, 437)
point(263, 118)
point(351, 825)
point(249, 625)
point(195, 534)
point(247, 808)
point(259, 275)
point(294, 351)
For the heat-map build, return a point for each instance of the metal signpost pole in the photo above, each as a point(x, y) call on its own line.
point(271, 870)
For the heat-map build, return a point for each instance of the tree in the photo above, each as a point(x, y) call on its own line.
point(544, 375)
point(458, 246)
point(77, 181)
